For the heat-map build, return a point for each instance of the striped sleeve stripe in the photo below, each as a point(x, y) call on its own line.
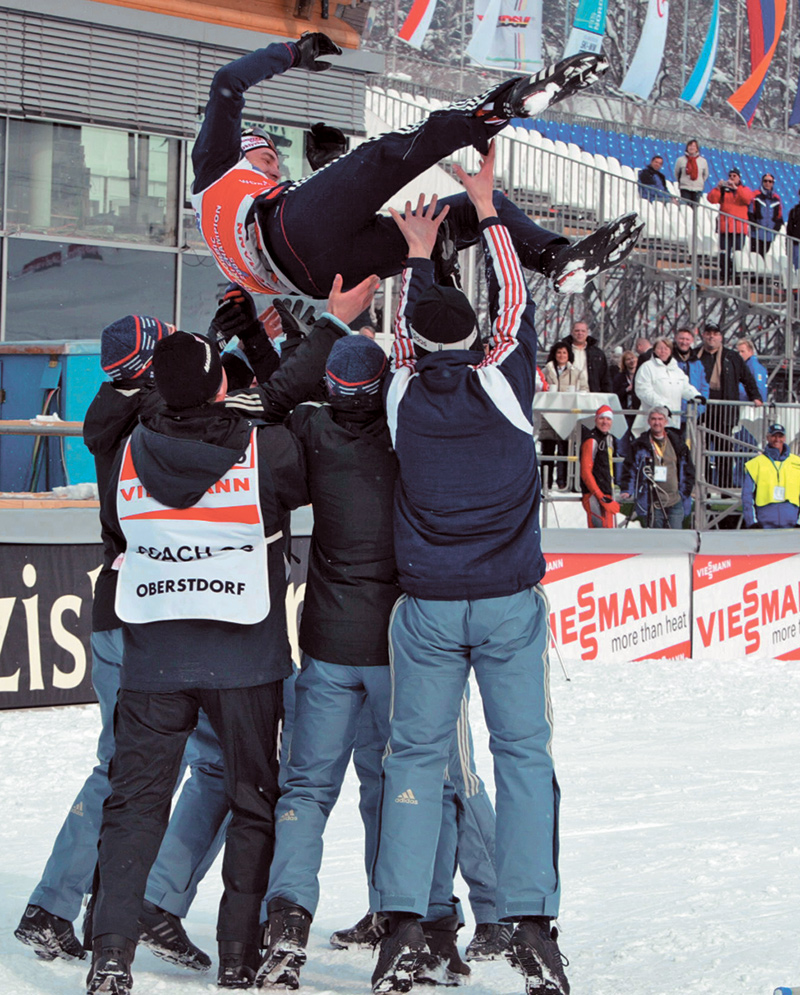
point(403, 349)
point(512, 290)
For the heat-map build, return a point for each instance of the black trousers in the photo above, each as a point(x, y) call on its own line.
point(721, 419)
point(151, 731)
point(554, 447)
point(327, 223)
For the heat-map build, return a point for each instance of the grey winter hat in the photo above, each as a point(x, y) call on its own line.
point(187, 370)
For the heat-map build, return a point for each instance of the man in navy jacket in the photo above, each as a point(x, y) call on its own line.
point(469, 559)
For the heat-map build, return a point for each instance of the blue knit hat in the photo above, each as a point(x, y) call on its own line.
point(126, 346)
point(355, 370)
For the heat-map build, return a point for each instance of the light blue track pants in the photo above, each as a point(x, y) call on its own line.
point(434, 645)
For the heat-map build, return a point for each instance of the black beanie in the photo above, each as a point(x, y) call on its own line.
point(187, 370)
point(443, 318)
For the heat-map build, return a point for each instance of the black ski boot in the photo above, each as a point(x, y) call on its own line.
point(49, 935)
point(570, 267)
point(163, 934)
point(534, 953)
point(529, 96)
point(402, 949)
point(446, 966)
point(363, 936)
point(489, 941)
point(110, 973)
point(286, 942)
point(237, 964)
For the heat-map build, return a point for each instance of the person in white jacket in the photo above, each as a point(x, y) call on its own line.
point(559, 375)
point(660, 381)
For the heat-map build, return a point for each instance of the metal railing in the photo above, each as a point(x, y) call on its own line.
point(721, 438)
point(572, 191)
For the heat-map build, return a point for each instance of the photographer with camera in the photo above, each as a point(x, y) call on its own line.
point(659, 474)
point(733, 198)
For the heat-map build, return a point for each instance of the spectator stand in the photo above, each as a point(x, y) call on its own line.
point(673, 277)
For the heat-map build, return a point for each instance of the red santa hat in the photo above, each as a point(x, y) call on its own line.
point(604, 411)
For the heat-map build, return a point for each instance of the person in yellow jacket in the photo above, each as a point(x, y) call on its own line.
point(771, 486)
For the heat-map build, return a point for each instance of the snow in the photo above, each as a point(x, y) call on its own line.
point(680, 838)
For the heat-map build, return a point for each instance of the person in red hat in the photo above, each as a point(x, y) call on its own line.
point(597, 472)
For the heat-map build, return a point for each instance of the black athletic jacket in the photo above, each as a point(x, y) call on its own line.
point(352, 577)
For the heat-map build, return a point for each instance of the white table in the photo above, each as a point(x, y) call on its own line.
point(563, 410)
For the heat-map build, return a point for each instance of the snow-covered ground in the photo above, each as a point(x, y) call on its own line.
point(680, 838)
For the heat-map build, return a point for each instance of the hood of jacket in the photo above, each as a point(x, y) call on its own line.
point(775, 456)
point(114, 412)
point(439, 368)
point(178, 463)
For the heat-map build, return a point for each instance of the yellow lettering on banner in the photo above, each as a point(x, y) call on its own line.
point(67, 641)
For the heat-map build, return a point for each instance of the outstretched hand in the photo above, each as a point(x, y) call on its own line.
point(310, 46)
point(480, 187)
point(420, 227)
point(346, 305)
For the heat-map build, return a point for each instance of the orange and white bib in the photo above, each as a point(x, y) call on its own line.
point(208, 561)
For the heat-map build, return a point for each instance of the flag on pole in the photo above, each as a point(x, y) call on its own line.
point(588, 27)
point(765, 19)
point(507, 34)
point(416, 25)
point(695, 90)
point(646, 65)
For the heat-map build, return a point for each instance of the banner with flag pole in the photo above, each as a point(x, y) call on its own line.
point(416, 25)
point(765, 19)
point(588, 28)
point(507, 34)
point(646, 65)
point(695, 90)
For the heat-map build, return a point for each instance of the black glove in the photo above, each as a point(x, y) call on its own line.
point(294, 322)
point(699, 399)
point(324, 144)
point(312, 44)
point(236, 316)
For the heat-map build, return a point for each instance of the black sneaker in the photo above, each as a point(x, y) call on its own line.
point(237, 964)
point(49, 935)
point(572, 266)
point(163, 934)
point(529, 96)
point(443, 966)
point(401, 951)
point(363, 936)
point(110, 973)
point(489, 941)
point(287, 939)
point(534, 953)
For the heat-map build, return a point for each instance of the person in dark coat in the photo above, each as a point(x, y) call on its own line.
point(659, 474)
point(192, 522)
point(590, 357)
point(766, 214)
point(725, 370)
point(652, 182)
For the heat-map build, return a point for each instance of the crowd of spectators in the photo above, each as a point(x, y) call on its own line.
point(651, 463)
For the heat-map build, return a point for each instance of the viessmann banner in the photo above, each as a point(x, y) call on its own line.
point(747, 606)
point(620, 606)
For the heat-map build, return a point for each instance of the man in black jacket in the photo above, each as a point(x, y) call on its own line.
point(652, 182)
point(725, 370)
point(193, 519)
point(591, 358)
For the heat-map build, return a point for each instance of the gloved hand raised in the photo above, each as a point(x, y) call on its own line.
point(310, 46)
point(236, 316)
point(295, 321)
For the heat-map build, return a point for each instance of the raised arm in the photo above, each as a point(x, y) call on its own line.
point(217, 148)
point(419, 228)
